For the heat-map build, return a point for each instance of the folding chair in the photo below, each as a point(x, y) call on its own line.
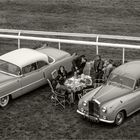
point(57, 98)
point(54, 74)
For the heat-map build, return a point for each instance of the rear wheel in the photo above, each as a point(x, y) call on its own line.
point(119, 118)
point(4, 101)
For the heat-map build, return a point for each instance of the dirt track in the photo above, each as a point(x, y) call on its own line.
point(32, 116)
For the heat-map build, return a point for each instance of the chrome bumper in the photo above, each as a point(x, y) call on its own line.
point(88, 116)
point(96, 119)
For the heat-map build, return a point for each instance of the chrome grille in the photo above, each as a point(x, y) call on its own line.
point(94, 108)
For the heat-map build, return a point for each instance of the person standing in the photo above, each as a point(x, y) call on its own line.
point(108, 68)
point(79, 64)
point(98, 67)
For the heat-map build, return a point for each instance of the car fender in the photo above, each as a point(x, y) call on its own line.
point(10, 88)
point(116, 105)
point(88, 96)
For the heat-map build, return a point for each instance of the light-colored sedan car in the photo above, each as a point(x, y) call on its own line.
point(117, 99)
point(25, 69)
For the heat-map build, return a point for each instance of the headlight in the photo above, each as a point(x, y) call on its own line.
point(85, 103)
point(104, 109)
point(82, 109)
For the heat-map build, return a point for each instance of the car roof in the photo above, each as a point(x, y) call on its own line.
point(53, 52)
point(130, 69)
point(24, 56)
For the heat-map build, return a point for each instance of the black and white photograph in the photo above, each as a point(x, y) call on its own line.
point(69, 69)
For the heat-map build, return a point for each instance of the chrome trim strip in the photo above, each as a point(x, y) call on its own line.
point(133, 112)
point(10, 93)
point(106, 121)
point(32, 83)
point(97, 101)
point(80, 112)
point(9, 74)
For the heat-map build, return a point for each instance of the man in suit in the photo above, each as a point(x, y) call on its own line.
point(79, 64)
point(98, 67)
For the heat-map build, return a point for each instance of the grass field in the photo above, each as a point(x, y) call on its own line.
point(32, 116)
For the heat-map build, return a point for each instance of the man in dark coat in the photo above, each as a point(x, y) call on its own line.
point(79, 64)
point(98, 67)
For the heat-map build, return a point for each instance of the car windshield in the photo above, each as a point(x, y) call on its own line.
point(9, 68)
point(121, 80)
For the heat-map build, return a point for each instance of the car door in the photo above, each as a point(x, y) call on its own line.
point(12, 87)
point(133, 101)
point(136, 94)
point(32, 78)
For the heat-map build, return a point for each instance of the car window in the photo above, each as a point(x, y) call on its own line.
point(137, 84)
point(122, 80)
point(29, 68)
point(50, 59)
point(41, 64)
point(9, 68)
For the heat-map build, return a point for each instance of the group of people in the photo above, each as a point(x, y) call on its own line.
point(102, 68)
point(78, 65)
point(102, 71)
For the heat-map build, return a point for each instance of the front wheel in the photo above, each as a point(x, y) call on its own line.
point(4, 101)
point(119, 118)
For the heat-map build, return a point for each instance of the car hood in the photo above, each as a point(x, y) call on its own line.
point(5, 78)
point(110, 92)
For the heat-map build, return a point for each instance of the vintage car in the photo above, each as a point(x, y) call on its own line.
point(118, 98)
point(24, 69)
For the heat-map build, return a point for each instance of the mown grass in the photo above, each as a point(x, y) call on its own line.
point(32, 116)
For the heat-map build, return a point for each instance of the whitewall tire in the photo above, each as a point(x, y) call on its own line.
point(4, 101)
point(119, 118)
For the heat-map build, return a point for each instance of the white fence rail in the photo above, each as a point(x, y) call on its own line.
point(28, 35)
